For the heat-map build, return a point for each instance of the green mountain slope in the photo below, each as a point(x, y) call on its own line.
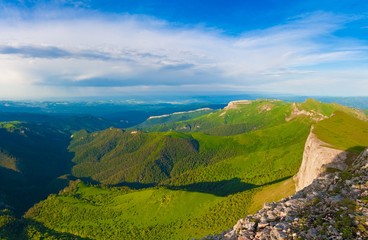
point(25, 229)
point(192, 181)
point(344, 132)
point(174, 117)
point(209, 177)
point(114, 156)
point(237, 117)
point(328, 109)
point(117, 157)
point(244, 116)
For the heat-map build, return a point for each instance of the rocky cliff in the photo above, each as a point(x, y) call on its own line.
point(334, 206)
point(317, 157)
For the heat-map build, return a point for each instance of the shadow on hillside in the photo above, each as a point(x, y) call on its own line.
point(275, 181)
point(9, 176)
point(134, 185)
point(12, 190)
point(356, 149)
point(18, 229)
point(41, 155)
point(221, 188)
point(89, 181)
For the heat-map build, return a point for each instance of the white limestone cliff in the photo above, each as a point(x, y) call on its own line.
point(316, 157)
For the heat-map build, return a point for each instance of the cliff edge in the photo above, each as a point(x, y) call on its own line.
point(334, 206)
point(317, 157)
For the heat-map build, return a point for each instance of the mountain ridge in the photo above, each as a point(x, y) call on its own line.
point(140, 182)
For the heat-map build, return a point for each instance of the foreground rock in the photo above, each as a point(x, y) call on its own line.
point(334, 206)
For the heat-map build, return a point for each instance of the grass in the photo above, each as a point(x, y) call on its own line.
point(115, 157)
point(137, 214)
point(244, 118)
point(206, 173)
point(314, 105)
point(344, 132)
point(272, 193)
point(328, 109)
point(155, 213)
point(203, 200)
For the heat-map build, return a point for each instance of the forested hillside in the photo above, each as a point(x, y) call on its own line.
point(179, 179)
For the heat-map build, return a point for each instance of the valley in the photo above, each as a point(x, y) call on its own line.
point(173, 176)
point(185, 119)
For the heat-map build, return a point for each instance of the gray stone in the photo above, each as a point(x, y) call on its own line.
point(249, 226)
point(277, 235)
point(295, 216)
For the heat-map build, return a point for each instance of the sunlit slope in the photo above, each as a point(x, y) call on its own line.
point(117, 157)
point(237, 117)
point(257, 158)
point(327, 109)
point(122, 214)
point(155, 157)
point(154, 213)
point(195, 203)
point(191, 183)
point(244, 116)
point(343, 131)
point(114, 156)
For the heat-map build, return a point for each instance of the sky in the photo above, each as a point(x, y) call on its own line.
point(122, 48)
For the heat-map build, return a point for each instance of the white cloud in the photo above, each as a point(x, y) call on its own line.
point(69, 53)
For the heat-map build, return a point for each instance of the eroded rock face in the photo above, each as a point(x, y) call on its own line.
point(316, 157)
point(334, 206)
point(235, 104)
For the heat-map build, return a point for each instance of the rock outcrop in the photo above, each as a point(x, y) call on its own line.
point(317, 156)
point(334, 206)
point(235, 104)
point(315, 116)
point(179, 113)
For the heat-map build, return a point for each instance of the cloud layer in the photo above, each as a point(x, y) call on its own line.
point(73, 53)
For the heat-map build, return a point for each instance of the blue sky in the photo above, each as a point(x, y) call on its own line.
point(120, 48)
